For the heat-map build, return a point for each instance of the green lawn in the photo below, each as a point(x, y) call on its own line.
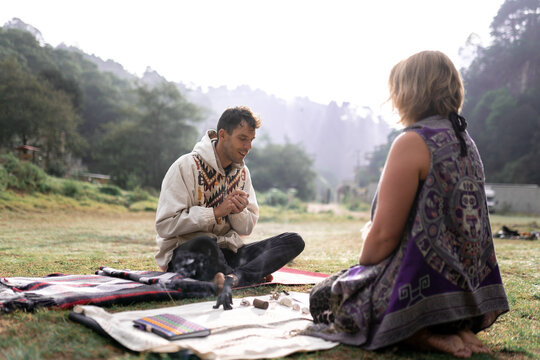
point(62, 237)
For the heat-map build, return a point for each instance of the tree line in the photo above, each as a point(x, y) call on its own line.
point(80, 117)
point(502, 99)
point(503, 95)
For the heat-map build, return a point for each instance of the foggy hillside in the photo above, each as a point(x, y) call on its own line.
point(336, 136)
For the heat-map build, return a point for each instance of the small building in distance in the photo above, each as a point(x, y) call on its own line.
point(516, 198)
point(27, 153)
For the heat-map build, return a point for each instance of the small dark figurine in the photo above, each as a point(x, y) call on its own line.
point(225, 296)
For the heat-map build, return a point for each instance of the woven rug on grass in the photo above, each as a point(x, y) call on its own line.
point(290, 276)
point(111, 286)
point(107, 287)
point(245, 332)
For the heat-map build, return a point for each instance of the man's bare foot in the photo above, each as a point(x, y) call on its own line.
point(473, 342)
point(450, 344)
point(219, 279)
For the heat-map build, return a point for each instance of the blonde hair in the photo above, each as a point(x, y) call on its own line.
point(425, 84)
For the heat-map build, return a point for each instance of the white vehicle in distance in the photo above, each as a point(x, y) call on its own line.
point(490, 197)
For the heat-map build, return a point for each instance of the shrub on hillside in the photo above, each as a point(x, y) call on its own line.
point(279, 198)
point(3, 178)
point(145, 205)
point(298, 205)
point(72, 189)
point(276, 197)
point(357, 205)
point(110, 190)
point(52, 185)
point(137, 195)
point(22, 175)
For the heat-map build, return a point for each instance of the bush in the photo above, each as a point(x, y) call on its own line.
point(22, 175)
point(52, 185)
point(297, 205)
point(357, 205)
point(56, 168)
point(45, 187)
point(146, 205)
point(276, 197)
point(4, 178)
point(110, 190)
point(137, 195)
point(72, 189)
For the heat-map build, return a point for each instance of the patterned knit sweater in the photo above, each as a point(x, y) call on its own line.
point(195, 184)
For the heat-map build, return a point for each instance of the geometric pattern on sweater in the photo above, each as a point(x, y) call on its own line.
point(213, 186)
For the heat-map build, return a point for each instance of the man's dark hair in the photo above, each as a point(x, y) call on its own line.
point(232, 117)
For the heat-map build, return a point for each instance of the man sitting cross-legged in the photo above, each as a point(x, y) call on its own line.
point(207, 203)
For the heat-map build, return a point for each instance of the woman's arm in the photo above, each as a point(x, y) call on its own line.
point(408, 162)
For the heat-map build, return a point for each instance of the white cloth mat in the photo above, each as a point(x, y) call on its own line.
point(245, 332)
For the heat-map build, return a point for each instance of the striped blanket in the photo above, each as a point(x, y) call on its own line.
point(107, 287)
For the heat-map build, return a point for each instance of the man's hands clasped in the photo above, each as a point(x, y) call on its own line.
point(234, 203)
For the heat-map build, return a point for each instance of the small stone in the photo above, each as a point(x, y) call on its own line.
point(286, 302)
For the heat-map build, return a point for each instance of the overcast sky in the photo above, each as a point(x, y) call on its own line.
point(325, 50)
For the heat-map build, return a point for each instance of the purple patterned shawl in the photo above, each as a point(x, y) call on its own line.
point(444, 269)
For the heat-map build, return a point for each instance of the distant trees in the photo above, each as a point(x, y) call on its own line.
point(21, 100)
point(503, 95)
point(517, 21)
point(376, 160)
point(33, 110)
point(283, 167)
point(105, 102)
point(59, 101)
point(502, 101)
point(140, 149)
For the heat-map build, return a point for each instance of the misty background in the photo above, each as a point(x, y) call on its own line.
point(90, 115)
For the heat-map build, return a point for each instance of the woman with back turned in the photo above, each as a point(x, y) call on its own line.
point(427, 274)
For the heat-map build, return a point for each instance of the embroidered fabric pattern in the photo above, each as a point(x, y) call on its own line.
point(214, 185)
point(454, 250)
point(444, 269)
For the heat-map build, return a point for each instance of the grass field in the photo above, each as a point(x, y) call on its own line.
point(59, 236)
